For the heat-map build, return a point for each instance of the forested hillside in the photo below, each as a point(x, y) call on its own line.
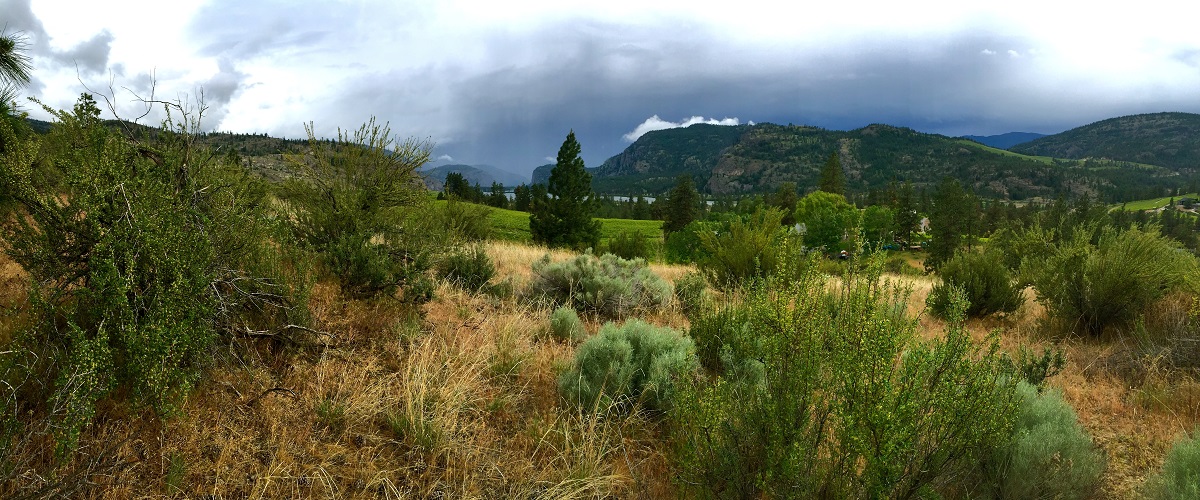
point(1166, 139)
point(759, 158)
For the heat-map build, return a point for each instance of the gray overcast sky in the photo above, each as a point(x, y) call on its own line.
point(501, 83)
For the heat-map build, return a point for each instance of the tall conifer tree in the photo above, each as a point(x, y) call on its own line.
point(564, 218)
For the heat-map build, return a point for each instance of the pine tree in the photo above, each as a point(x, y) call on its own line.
point(683, 204)
point(522, 197)
point(832, 179)
point(564, 218)
point(953, 215)
point(497, 198)
point(456, 186)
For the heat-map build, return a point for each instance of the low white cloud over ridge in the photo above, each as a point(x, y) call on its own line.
point(655, 123)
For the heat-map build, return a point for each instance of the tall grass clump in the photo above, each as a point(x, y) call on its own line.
point(1179, 477)
point(608, 286)
point(1112, 282)
point(988, 286)
point(1048, 455)
point(631, 362)
point(846, 403)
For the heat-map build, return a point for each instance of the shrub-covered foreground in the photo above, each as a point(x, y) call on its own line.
point(847, 404)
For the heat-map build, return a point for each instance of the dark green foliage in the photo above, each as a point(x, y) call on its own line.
point(683, 206)
point(628, 363)
point(1179, 477)
point(359, 202)
point(828, 219)
point(1049, 455)
point(564, 218)
point(988, 286)
point(833, 180)
point(468, 268)
point(1110, 283)
point(497, 198)
point(141, 257)
point(522, 198)
point(628, 245)
point(905, 207)
point(684, 246)
point(847, 404)
point(952, 222)
point(566, 326)
point(758, 158)
point(785, 199)
point(878, 224)
point(609, 286)
point(1166, 139)
point(748, 248)
point(457, 187)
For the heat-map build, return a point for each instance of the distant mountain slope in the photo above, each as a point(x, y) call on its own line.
point(1171, 140)
point(541, 175)
point(758, 158)
point(483, 175)
point(1004, 141)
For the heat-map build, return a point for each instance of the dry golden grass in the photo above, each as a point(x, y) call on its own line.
point(461, 401)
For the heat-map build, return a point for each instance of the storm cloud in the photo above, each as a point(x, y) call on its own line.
point(503, 84)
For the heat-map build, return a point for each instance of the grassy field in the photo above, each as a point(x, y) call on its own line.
point(511, 225)
point(1152, 203)
point(1043, 159)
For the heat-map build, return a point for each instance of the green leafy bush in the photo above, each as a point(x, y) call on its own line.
point(609, 286)
point(1112, 282)
point(747, 249)
point(848, 405)
point(692, 293)
point(628, 245)
point(465, 221)
point(988, 286)
point(1049, 455)
point(142, 256)
point(469, 268)
point(631, 362)
point(359, 202)
point(1179, 477)
point(565, 325)
point(1036, 369)
point(683, 246)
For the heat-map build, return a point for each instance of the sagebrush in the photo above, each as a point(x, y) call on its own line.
point(608, 286)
